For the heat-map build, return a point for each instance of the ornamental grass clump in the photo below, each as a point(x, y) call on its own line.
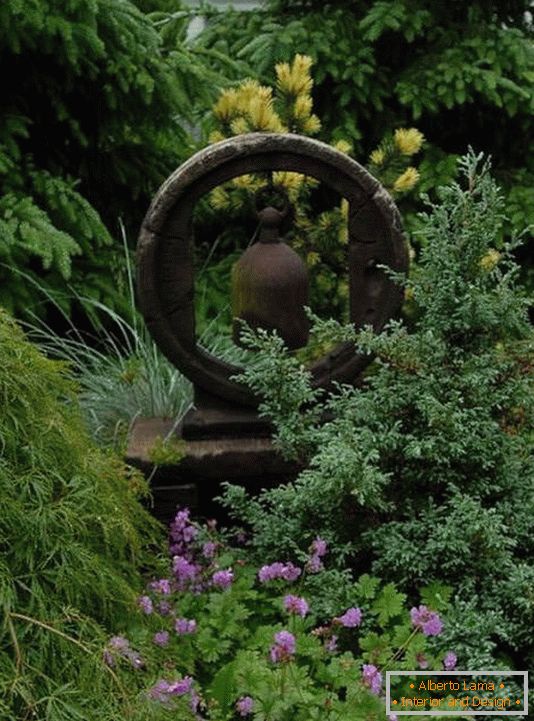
point(233, 640)
point(72, 535)
point(425, 472)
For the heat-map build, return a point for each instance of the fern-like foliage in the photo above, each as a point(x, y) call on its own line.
point(72, 533)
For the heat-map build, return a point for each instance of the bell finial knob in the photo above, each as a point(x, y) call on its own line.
point(270, 221)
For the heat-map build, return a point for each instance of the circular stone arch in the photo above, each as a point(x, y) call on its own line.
point(165, 257)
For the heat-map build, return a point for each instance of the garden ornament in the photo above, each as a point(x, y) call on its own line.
point(225, 438)
point(165, 257)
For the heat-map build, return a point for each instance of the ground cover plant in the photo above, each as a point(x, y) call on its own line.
point(425, 472)
point(231, 639)
point(73, 535)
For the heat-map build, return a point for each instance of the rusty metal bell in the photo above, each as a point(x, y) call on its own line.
point(270, 285)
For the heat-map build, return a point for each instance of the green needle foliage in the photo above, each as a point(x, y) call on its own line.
point(72, 533)
point(92, 119)
point(425, 472)
point(456, 71)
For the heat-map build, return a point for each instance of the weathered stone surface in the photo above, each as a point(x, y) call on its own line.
point(196, 480)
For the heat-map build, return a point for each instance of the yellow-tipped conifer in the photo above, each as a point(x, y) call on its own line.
point(295, 79)
point(343, 146)
point(227, 106)
point(408, 141)
point(377, 157)
point(406, 180)
point(302, 107)
point(311, 125)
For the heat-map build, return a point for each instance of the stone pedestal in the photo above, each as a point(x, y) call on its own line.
point(213, 455)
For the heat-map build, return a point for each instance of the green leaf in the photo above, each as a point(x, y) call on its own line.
point(436, 596)
point(389, 603)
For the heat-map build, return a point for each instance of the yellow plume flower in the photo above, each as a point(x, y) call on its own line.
point(406, 181)
point(343, 146)
point(377, 157)
point(239, 126)
point(247, 182)
point(326, 220)
point(250, 91)
point(408, 140)
point(295, 79)
point(288, 178)
point(219, 199)
point(311, 125)
point(227, 106)
point(490, 260)
point(262, 116)
point(302, 64)
point(303, 107)
point(292, 182)
point(216, 136)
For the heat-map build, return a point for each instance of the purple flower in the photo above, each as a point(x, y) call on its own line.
point(291, 572)
point(209, 549)
point(372, 678)
point(181, 687)
point(319, 547)
point(134, 658)
point(331, 644)
point(161, 638)
point(182, 533)
point(271, 573)
point(119, 643)
point(351, 618)
point(428, 621)
point(162, 586)
point(145, 604)
point(296, 605)
point(164, 608)
point(277, 570)
point(421, 661)
point(162, 690)
point(244, 705)
point(180, 524)
point(393, 717)
point(449, 661)
point(184, 626)
point(223, 579)
point(314, 564)
point(186, 572)
point(284, 647)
